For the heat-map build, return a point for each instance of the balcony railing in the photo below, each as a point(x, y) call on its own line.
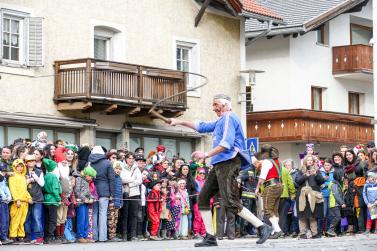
point(125, 85)
point(308, 125)
point(352, 59)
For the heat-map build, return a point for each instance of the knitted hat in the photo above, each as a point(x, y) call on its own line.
point(160, 148)
point(72, 147)
point(49, 164)
point(372, 174)
point(97, 150)
point(90, 171)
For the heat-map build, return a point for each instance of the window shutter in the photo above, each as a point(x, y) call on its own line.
point(35, 41)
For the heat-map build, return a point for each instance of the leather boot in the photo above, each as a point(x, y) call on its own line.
point(264, 232)
point(208, 241)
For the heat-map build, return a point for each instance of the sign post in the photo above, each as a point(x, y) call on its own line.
point(252, 145)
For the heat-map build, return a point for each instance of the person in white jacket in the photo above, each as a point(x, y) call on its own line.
point(132, 180)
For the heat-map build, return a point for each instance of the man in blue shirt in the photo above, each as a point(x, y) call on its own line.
point(228, 155)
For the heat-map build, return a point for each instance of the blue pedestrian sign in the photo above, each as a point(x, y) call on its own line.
point(252, 145)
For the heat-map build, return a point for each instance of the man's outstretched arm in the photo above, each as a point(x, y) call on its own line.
point(189, 124)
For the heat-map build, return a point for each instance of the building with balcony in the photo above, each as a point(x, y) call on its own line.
point(317, 86)
point(89, 71)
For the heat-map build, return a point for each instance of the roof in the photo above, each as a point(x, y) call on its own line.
point(297, 13)
point(253, 7)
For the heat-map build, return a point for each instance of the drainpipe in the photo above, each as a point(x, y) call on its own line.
point(264, 33)
point(374, 43)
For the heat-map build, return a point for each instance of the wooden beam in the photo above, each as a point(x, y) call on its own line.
point(134, 110)
point(201, 12)
point(111, 108)
point(74, 106)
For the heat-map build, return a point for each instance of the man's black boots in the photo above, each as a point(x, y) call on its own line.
point(264, 232)
point(208, 241)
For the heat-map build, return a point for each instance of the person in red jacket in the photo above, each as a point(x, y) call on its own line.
point(154, 208)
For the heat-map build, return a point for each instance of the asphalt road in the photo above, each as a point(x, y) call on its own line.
point(354, 243)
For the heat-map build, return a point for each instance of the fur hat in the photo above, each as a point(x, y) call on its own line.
point(90, 171)
point(49, 164)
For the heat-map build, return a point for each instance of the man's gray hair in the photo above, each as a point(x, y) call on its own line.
point(224, 99)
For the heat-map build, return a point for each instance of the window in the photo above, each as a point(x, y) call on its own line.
point(354, 103)
point(106, 139)
point(21, 38)
point(103, 43)
point(323, 34)
point(187, 59)
point(17, 132)
point(249, 101)
point(316, 98)
point(361, 34)
point(68, 137)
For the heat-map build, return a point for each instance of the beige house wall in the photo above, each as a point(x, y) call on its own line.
point(148, 29)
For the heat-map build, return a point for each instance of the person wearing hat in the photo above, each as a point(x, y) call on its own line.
point(52, 191)
point(154, 208)
point(83, 198)
point(21, 198)
point(35, 182)
point(228, 155)
point(370, 199)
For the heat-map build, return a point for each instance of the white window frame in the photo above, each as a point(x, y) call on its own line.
point(22, 18)
point(194, 61)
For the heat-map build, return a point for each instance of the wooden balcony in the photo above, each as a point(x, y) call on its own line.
point(353, 61)
point(93, 85)
point(307, 125)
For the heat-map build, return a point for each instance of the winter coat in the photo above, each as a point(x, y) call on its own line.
point(293, 175)
point(340, 170)
point(83, 156)
point(336, 190)
point(118, 192)
point(325, 190)
point(105, 175)
point(36, 188)
point(288, 185)
point(82, 191)
point(154, 203)
point(370, 193)
point(358, 187)
point(315, 182)
point(18, 187)
point(132, 178)
point(52, 190)
point(4, 190)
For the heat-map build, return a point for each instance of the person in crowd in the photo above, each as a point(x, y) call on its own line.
point(49, 151)
point(5, 199)
point(83, 157)
point(139, 151)
point(121, 155)
point(21, 198)
point(370, 199)
point(270, 176)
point(6, 160)
point(105, 190)
point(83, 198)
point(198, 224)
point(35, 182)
point(360, 208)
point(327, 173)
point(116, 203)
point(159, 157)
point(337, 164)
point(370, 146)
point(364, 161)
point(343, 149)
point(52, 198)
point(185, 209)
point(142, 216)
point(165, 209)
point(309, 151)
point(41, 140)
point(195, 165)
point(177, 165)
point(336, 202)
point(175, 209)
point(154, 208)
point(38, 154)
point(309, 181)
point(372, 165)
point(286, 198)
point(71, 212)
point(131, 178)
point(293, 221)
point(112, 156)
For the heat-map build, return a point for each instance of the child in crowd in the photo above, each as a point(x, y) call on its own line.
point(336, 201)
point(198, 224)
point(116, 203)
point(370, 199)
point(165, 213)
point(71, 213)
point(21, 197)
point(327, 172)
point(185, 209)
point(93, 192)
point(35, 182)
point(5, 199)
point(359, 204)
point(83, 198)
point(52, 192)
point(154, 208)
point(175, 209)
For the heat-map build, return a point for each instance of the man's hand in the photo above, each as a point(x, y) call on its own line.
point(198, 155)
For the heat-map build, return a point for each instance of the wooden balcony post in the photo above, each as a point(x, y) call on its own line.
point(140, 84)
point(57, 80)
point(88, 77)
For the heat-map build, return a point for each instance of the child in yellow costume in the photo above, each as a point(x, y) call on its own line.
point(21, 200)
